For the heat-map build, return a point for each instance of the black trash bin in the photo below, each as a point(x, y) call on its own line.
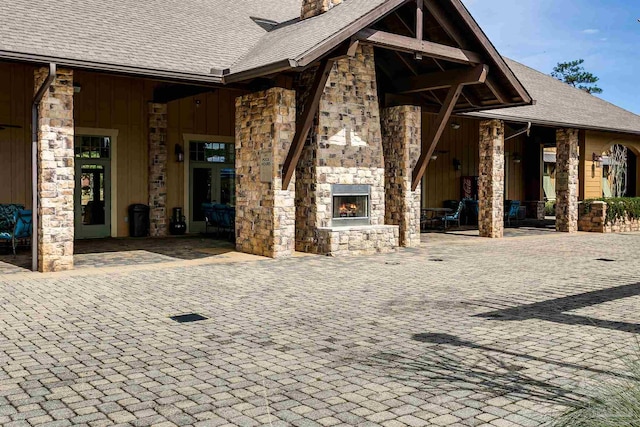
point(138, 220)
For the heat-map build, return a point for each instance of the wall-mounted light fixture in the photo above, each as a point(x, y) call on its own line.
point(434, 157)
point(457, 165)
point(517, 158)
point(455, 126)
point(77, 88)
point(179, 153)
point(597, 160)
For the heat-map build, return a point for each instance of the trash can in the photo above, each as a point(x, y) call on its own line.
point(138, 220)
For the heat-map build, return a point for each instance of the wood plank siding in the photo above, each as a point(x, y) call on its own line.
point(600, 142)
point(108, 102)
point(16, 93)
point(442, 182)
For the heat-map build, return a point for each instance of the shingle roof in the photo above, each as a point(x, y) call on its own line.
point(185, 36)
point(294, 40)
point(559, 104)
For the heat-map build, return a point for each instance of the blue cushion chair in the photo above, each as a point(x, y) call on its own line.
point(454, 217)
point(21, 231)
point(512, 211)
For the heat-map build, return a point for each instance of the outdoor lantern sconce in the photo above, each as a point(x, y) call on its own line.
point(179, 153)
point(455, 126)
point(517, 158)
point(597, 160)
point(457, 165)
point(434, 157)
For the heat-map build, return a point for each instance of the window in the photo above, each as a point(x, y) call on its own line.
point(212, 152)
point(93, 147)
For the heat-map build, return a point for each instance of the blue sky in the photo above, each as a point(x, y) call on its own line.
point(541, 33)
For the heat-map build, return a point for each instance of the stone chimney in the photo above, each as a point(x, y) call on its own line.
point(311, 8)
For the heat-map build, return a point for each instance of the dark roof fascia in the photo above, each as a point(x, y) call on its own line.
point(349, 31)
point(254, 73)
point(113, 68)
point(491, 49)
point(322, 49)
point(547, 123)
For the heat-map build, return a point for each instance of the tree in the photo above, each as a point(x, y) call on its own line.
point(573, 73)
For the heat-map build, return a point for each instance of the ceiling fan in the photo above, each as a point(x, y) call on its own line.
point(4, 126)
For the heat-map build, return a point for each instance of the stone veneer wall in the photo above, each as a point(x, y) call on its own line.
point(595, 220)
point(401, 141)
point(56, 181)
point(311, 8)
point(491, 182)
point(265, 212)
point(567, 162)
point(158, 157)
point(535, 209)
point(344, 147)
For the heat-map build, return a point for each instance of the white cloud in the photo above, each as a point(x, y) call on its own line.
point(591, 31)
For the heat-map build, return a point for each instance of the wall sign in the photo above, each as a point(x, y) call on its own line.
point(266, 169)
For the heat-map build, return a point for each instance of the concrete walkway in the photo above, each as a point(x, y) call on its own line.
point(464, 331)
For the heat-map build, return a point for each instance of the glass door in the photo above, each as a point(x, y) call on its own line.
point(93, 188)
point(212, 179)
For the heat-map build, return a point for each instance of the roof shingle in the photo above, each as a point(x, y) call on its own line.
point(558, 103)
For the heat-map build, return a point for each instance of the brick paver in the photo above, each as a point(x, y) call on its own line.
point(463, 331)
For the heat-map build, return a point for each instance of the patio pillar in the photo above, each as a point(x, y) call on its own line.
point(491, 182)
point(567, 180)
point(401, 143)
point(265, 212)
point(158, 156)
point(55, 173)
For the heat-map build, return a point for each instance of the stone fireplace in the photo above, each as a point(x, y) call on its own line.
point(340, 179)
point(350, 205)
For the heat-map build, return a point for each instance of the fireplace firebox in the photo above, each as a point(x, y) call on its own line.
point(351, 205)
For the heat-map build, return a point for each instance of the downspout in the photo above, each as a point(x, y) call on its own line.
point(527, 130)
point(35, 119)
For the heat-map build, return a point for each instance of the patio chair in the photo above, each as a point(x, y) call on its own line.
point(227, 221)
point(454, 217)
point(21, 230)
point(512, 211)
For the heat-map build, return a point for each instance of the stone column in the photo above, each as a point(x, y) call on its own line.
point(56, 172)
point(265, 212)
point(401, 143)
point(567, 180)
point(311, 8)
point(491, 183)
point(158, 157)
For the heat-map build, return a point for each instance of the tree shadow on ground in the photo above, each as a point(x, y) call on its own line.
point(555, 310)
point(450, 364)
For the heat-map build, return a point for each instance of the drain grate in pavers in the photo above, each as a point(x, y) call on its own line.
point(605, 260)
point(188, 318)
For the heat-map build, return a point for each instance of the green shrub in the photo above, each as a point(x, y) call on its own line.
point(550, 208)
point(618, 208)
point(612, 404)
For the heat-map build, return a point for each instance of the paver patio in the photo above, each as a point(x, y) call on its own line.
point(464, 331)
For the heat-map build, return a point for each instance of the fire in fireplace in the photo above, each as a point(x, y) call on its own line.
point(350, 205)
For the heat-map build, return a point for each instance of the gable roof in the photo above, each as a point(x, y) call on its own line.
point(216, 41)
point(559, 104)
point(289, 42)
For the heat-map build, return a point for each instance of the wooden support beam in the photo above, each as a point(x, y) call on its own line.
point(419, 24)
point(444, 79)
point(435, 9)
point(429, 144)
point(304, 120)
point(400, 43)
